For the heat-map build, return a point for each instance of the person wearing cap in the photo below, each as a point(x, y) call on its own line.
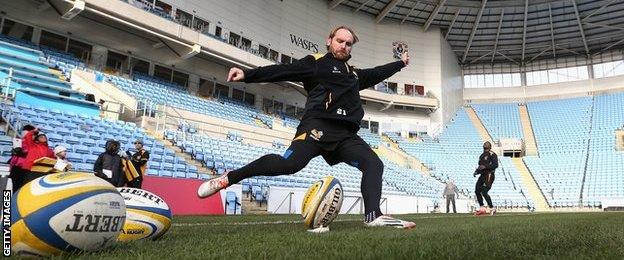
point(139, 161)
point(108, 165)
point(35, 143)
point(61, 156)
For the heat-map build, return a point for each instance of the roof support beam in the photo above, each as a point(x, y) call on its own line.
point(524, 26)
point(433, 14)
point(507, 57)
point(568, 50)
point(539, 54)
point(580, 25)
point(552, 31)
point(613, 44)
point(410, 12)
point(386, 10)
point(480, 57)
point(362, 5)
point(452, 23)
point(474, 29)
point(604, 25)
point(500, 23)
point(335, 3)
point(598, 10)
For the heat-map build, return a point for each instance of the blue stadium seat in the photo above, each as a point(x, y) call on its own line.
point(167, 166)
point(96, 150)
point(75, 158)
point(72, 139)
point(90, 158)
point(231, 203)
point(81, 149)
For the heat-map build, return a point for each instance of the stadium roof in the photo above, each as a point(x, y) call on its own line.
point(509, 31)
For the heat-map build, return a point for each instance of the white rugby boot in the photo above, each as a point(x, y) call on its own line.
point(387, 221)
point(212, 186)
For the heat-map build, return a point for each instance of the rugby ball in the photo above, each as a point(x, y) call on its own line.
point(147, 215)
point(65, 212)
point(322, 202)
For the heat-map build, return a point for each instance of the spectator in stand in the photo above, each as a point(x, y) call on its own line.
point(16, 172)
point(61, 156)
point(108, 165)
point(36, 145)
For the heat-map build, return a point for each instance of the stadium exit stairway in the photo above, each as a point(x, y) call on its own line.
point(527, 131)
point(478, 124)
point(201, 169)
point(393, 152)
point(529, 182)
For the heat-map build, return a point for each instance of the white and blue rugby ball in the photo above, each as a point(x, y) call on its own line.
point(65, 212)
point(148, 215)
point(322, 202)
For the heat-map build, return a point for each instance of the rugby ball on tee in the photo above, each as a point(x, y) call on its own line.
point(147, 215)
point(321, 203)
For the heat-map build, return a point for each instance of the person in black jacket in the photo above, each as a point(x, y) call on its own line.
point(108, 165)
point(329, 126)
point(139, 161)
point(488, 162)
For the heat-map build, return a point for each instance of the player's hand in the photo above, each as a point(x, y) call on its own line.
point(481, 167)
point(235, 75)
point(405, 58)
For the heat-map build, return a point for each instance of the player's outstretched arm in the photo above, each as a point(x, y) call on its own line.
point(371, 77)
point(299, 70)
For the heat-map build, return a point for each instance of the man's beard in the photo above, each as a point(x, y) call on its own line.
point(340, 55)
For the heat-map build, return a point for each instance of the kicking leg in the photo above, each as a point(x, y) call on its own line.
point(294, 159)
point(358, 154)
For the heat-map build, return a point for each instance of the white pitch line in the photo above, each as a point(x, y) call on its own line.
point(280, 222)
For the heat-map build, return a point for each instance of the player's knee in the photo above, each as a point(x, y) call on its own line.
point(376, 166)
point(288, 166)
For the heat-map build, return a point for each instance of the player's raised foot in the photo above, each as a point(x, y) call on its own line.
point(212, 186)
point(387, 221)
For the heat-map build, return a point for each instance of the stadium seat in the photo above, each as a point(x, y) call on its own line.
point(90, 158)
point(231, 203)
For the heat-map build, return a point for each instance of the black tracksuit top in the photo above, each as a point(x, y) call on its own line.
point(333, 86)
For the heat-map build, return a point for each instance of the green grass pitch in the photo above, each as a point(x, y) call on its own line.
point(439, 236)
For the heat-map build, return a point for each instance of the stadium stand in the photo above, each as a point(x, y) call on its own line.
point(561, 130)
point(223, 155)
point(574, 136)
point(154, 91)
point(605, 165)
point(501, 120)
point(85, 136)
point(33, 82)
point(454, 156)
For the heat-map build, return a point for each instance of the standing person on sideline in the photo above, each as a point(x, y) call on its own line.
point(108, 165)
point(488, 162)
point(330, 123)
point(449, 193)
point(139, 160)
